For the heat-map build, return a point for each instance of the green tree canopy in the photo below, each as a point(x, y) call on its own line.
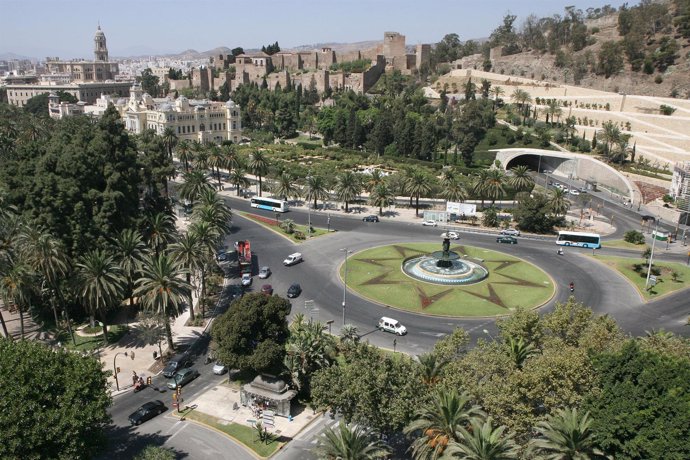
point(54, 403)
point(252, 334)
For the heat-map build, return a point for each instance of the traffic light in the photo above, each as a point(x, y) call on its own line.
point(148, 380)
point(178, 391)
point(174, 396)
point(118, 369)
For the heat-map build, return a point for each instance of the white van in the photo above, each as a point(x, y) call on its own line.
point(391, 325)
point(292, 259)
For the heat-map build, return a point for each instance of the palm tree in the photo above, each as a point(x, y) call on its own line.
point(212, 209)
point(610, 135)
point(520, 180)
point(191, 256)
point(231, 159)
point(350, 443)
point(238, 178)
point(523, 99)
point(169, 141)
point(553, 109)
point(484, 442)
point(208, 237)
point(494, 185)
point(161, 289)
point(195, 182)
point(565, 436)
point(418, 184)
point(199, 156)
point(285, 186)
point(100, 283)
point(497, 91)
point(288, 225)
point(315, 189)
point(159, 231)
point(454, 190)
point(558, 202)
point(347, 187)
point(258, 165)
point(432, 367)
point(438, 423)
point(375, 178)
point(479, 184)
point(216, 160)
point(519, 350)
point(17, 282)
point(184, 153)
point(309, 348)
point(381, 196)
point(130, 251)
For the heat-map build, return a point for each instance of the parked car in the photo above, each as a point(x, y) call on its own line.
point(264, 273)
point(147, 412)
point(222, 257)
point(182, 378)
point(175, 364)
point(391, 325)
point(506, 239)
point(294, 290)
point(267, 289)
point(451, 235)
point(219, 368)
point(292, 259)
point(429, 223)
point(371, 219)
point(574, 192)
point(246, 279)
point(510, 231)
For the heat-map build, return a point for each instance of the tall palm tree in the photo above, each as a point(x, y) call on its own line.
point(432, 366)
point(347, 187)
point(315, 188)
point(194, 183)
point(100, 284)
point(184, 153)
point(216, 160)
point(231, 158)
point(309, 348)
point(130, 251)
point(494, 184)
point(523, 99)
point(381, 196)
point(17, 282)
point(479, 182)
point(169, 141)
point(212, 209)
point(199, 156)
point(238, 178)
point(161, 289)
point(484, 442)
point(610, 133)
point(285, 186)
point(191, 256)
point(375, 178)
point(159, 231)
point(520, 179)
point(565, 435)
point(208, 237)
point(350, 443)
point(454, 190)
point(558, 202)
point(258, 165)
point(497, 91)
point(438, 423)
point(418, 184)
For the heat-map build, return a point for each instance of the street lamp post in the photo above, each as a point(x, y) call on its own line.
point(651, 256)
point(117, 382)
point(346, 251)
point(487, 333)
point(328, 222)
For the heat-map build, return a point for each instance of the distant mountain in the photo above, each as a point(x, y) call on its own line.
point(339, 47)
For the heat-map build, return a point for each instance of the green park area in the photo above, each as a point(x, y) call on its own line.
point(285, 227)
point(376, 274)
point(670, 277)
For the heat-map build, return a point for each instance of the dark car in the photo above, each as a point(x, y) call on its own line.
point(267, 289)
point(147, 411)
point(294, 291)
point(371, 219)
point(506, 239)
point(175, 364)
point(182, 378)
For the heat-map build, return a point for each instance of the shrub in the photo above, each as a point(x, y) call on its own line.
point(634, 237)
point(299, 235)
point(668, 199)
point(666, 109)
point(658, 79)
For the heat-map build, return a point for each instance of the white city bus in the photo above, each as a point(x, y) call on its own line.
point(269, 204)
point(581, 239)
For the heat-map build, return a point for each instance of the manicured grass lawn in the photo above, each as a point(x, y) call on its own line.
point(115, 333)
point(622, 244)
point(272, 225)
point(665, 283)
point(377, 275)
point(244, 434)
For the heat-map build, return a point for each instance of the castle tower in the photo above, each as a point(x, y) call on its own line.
point(100, 49)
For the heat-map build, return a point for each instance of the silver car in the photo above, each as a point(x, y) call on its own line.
point(264, 273)
point(219, 368)
point(510, 231)
point(182, 378)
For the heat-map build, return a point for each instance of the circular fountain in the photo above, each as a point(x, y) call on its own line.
point(444, 267)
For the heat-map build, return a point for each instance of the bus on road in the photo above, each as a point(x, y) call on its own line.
point(580, 239)
point(269, 204)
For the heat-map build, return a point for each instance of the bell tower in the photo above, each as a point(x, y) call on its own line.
point(100, 50)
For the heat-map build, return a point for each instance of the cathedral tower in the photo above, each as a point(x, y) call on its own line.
point(100, 50)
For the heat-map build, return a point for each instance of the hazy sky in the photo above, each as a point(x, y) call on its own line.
point(65, 28)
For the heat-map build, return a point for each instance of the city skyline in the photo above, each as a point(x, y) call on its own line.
point(40, 28)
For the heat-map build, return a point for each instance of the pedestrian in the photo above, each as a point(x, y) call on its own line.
point(135, 378)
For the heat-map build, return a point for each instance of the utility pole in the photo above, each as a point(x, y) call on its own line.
point(651, 256)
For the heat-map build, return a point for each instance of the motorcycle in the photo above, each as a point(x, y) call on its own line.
point(572, 287)
point(560, 252)
point(140, 385)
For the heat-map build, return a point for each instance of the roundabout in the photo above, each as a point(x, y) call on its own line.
point(460, 281)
